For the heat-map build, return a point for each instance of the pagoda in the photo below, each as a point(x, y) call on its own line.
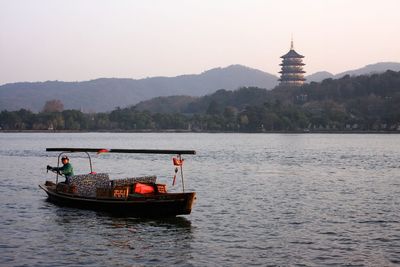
point(292, 73)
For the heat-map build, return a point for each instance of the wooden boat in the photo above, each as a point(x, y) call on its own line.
point(136, 196)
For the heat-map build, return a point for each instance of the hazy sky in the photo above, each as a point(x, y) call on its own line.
point(75, 40)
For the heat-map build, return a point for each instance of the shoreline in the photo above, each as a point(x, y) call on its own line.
point(185, 131)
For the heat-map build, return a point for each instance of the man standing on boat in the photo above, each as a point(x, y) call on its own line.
point(67, 170)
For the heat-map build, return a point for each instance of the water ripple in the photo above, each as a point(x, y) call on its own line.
point(262, 200)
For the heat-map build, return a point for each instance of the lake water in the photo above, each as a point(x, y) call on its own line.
point(262, 199)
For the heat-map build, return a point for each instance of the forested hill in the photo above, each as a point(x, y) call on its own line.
point(108, 93)
point(367, 102)
point(341, 91)
point(362, 103)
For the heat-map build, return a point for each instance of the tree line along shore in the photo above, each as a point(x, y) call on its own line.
point(367, 103)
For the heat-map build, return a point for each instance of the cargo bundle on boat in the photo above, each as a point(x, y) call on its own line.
point(135, 196)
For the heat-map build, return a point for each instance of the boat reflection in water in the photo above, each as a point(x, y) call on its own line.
point(139, 241)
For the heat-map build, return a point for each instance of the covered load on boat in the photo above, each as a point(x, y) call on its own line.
point(134, 196)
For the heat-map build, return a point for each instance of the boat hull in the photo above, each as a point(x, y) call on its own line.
point(160, 205)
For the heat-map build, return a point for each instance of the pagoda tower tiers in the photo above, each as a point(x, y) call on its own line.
point(292, 72)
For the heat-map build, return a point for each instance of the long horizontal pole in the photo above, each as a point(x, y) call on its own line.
point(142, 151)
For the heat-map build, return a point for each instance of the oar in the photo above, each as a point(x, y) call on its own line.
point(56, 172)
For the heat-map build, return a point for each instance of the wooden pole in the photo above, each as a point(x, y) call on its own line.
point(183, 184)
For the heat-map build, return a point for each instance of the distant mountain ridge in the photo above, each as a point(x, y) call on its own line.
point(105, 94)
point(181, 104)
point(368, 69)
point(319, 76)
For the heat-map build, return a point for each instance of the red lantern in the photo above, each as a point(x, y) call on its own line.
point(177, 162)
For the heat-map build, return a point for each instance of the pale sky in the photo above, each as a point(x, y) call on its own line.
point(76, 40)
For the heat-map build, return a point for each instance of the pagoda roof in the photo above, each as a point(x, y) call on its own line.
point(292, 54)
point(290, 64)
point(292, 71)
point(292, 79)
